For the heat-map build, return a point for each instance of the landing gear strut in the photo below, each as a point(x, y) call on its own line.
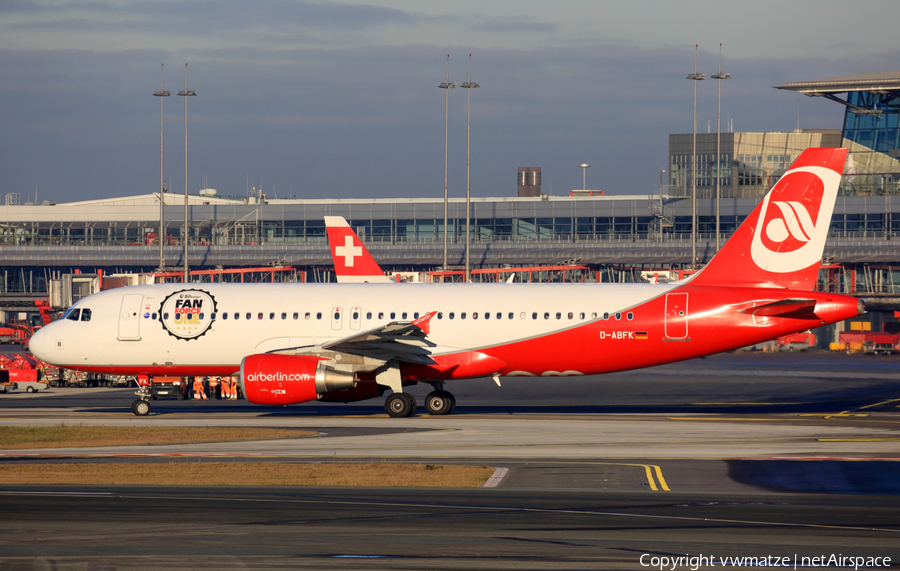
point(141, 407)
point(400, 404)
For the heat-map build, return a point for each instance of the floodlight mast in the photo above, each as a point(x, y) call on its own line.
point(470, 85)
point(184, 238)
point(446, 86)
point(695, 77)
point(719, 76)
point(162, 185)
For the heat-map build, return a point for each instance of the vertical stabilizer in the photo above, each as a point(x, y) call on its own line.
point(352, 261)
point(781, 243)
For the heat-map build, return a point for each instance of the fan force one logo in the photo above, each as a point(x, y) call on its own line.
point(794, 219)
point(187, 314)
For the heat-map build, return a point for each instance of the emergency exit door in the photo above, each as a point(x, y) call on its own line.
point(676, 316)
point(130, 317)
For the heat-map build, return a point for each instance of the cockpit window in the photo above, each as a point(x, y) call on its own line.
point(73, 314)
point(85, 314)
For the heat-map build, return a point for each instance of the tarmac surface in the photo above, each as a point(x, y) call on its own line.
point(734, 455)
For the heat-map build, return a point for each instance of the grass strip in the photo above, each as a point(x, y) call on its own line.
point(77, 436)
point(381, 474)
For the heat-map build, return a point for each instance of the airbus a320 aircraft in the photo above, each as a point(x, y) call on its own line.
point(292, 343)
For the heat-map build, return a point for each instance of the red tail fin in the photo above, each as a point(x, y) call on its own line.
point(352, 261)
point(781, 243)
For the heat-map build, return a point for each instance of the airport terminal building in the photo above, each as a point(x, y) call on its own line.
point(651, 231)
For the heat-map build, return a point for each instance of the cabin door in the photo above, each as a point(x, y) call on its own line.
point(676, 316)
point(130, 317)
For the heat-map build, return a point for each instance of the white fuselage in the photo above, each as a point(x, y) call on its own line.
point(259, 318)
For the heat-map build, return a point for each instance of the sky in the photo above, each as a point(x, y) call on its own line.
point(340, 99)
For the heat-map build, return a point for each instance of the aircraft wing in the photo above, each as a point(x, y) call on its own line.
point(399, 341)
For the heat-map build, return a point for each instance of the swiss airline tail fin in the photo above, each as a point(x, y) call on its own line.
point(352, 261)
point(781, 243)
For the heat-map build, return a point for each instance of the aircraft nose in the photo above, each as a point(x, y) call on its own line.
point(38, 344)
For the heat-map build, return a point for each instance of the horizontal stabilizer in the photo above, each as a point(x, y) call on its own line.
point(798, 308)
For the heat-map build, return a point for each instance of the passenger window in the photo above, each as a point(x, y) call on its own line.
point(165, 316)
point(487, 314)
point(296, 315)
point(272, 315)
point(558, 315)
point(618, 316)
point(355, 315)
point(259, 315)
point(605, 316)
point(594, 315)
point(416, 315)
point(534, 315)
point(500, 315)
point(212, 316)
point(319, 315)
point(248, 316)
point(571, 315)
point(546, 315)
point(74, 314)
point(403, 316)
point(581, 315)
point(630, 316)
point(440, 315)
point(462, 315)
point(85, 314)
point(521, 315)
point(284, 315)
point(452, 315)
point(153, 317)
point(380, 315)
point(201, 316)
point(237, 315)
point(369, 315)
point(337, 315)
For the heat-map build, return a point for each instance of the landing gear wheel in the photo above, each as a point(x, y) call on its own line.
point(140, 407)
point(400, 405)
point(439, 403)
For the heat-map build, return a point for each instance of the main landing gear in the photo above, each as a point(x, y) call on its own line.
point(438, 402)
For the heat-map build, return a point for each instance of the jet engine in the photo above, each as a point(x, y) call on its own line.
point(288, 379)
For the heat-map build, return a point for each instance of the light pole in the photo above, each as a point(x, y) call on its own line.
point(470, 85)
point(719, 76)
point(184, 238)
point(695, 77)
point(446, 86)
point(162, 184)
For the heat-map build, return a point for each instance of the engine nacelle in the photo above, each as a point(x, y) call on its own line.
point(288, 379)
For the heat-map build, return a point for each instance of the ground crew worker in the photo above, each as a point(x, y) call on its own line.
point(206, 392)
point(198, 389)
point(226, 388)
point(215, 391)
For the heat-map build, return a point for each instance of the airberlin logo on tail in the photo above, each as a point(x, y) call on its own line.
point(794, 219)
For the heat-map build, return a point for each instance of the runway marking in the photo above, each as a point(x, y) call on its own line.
point(858, 439)
point(737, 418)
point(283, 500)
point(494, 480)
point(746, 403)
point(851, 414)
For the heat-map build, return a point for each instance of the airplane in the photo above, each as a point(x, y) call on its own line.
point(294, 343)
point(352, 261)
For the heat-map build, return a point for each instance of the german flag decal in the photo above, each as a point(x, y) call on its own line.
point(640, 334)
